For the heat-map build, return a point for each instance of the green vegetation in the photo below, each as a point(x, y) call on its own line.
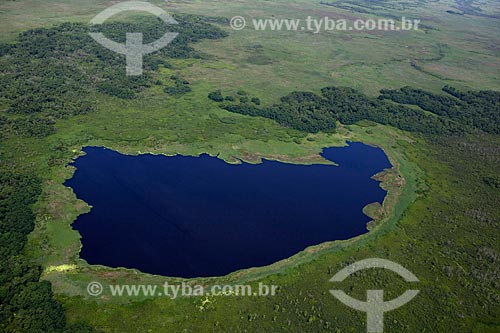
point(49, 75)
point(27, 303)
point(444, 238)
point(309, 112)
point(57, 72)
point(371, 6)
point(216, 96)
point(440, 219)
point(256, 100)
point(179, 88)
point(480, 110)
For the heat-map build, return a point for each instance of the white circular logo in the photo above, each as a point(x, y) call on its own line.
point(238, 23)
point(133, 48)
point(375, 306)
point(94, 288)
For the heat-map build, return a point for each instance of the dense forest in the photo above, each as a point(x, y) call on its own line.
point(477, 109)
point(456, 113)
point(49, 73)
point(26, 303)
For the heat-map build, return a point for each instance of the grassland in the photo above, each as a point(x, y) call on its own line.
point(430, 222)
point(457, 50)
point(452, 49)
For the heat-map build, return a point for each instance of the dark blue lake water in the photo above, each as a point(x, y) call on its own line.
point(199, 216)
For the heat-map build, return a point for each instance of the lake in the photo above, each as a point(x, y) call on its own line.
point(200, 216)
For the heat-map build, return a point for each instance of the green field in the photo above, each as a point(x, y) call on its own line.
point(439, 220)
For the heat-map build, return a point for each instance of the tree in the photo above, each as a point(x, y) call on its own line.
point(216, 96)
point(256, 101)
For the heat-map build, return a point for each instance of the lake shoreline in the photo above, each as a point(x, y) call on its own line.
point(354, 155)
